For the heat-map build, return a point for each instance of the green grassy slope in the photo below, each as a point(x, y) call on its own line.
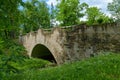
point(103, 67)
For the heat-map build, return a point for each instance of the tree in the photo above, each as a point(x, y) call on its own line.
point(104, 19)
point(68, 12)
point(9, 18)
point(36, 15)
point(52, 15)
point(114, 8)
point(95, 16)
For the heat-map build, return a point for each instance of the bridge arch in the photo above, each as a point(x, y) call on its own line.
point(41, 51)
point(51, 41)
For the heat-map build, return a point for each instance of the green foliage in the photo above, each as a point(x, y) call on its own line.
point(15, 64)
point(104, 19)
point(13, 59)
point(36, 15)
point(68, 12)
point(95, 16)
point(1, 45)
point(30, 64)
point(33, 15)
point(92, 14)
point(9, 18)
point(114, 8)
point(9, 54)
point(102, 67)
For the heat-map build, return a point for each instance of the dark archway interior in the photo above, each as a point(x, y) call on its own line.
point(40, 51)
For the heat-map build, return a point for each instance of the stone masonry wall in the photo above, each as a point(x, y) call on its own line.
point(76, 42)
point(84, 41)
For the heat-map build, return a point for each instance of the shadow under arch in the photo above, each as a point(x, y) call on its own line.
point(42, 52)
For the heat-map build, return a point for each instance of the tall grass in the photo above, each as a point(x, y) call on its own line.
point(103, 67)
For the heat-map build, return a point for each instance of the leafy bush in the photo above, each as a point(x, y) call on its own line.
point(13, 59)
point(29, 64)
point(8, 55)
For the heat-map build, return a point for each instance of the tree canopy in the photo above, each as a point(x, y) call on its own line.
point(36, 15)
point(114, 8)
point(68, 12)
point(9, 17)
point(33, 15)
point(95, 16)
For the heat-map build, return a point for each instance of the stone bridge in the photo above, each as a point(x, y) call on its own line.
point(72, 43)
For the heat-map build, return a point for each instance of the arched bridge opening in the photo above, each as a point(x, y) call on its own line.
point(42, 52)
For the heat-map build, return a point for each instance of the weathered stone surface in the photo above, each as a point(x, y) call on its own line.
point(75, 43)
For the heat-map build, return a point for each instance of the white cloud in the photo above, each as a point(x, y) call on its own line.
point(83, 18)
point(52, 1)
point(108, 14)
point(107, 1)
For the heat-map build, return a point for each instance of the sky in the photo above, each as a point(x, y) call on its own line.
point(102, 4)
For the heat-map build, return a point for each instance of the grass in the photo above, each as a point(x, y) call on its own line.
point(29, 64)
point(103, 67)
